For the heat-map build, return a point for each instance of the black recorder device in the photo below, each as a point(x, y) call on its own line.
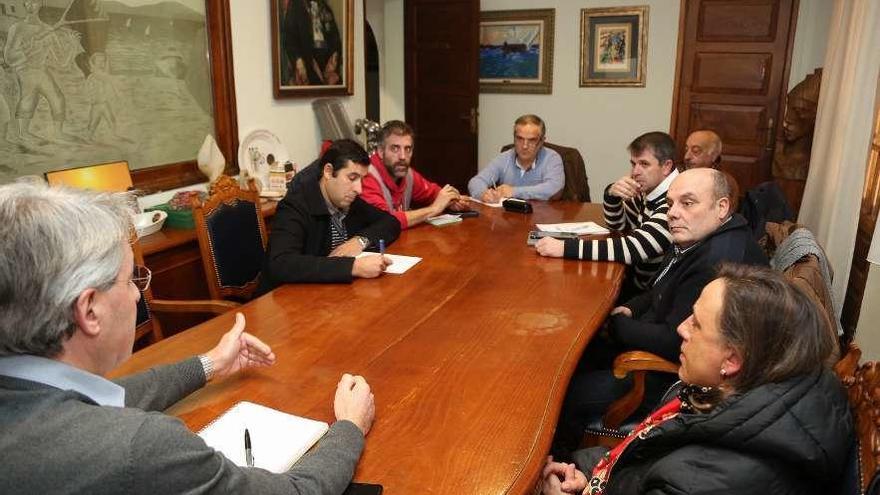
point(517, 205)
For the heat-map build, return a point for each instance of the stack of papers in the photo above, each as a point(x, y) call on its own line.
point(579, 228)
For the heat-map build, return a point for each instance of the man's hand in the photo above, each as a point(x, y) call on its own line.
point(460, 204)
point(331, 75)
point(370, 266)
point(446, 195)
point(490, 196)
point(550, 247)
point(354, 402)
point(300, 77)
point(622, 310)
point(504, 191)
point(351, 247)
point(561, 478)
point(238, 350)
point(625, 188)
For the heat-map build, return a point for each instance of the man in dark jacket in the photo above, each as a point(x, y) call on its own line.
point(322, 224)
point(704, 233)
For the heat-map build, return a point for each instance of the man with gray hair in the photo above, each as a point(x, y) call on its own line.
point(68, 296)
point(529, 170)
point(702, 149)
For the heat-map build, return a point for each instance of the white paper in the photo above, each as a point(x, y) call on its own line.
point(400, 264)
point(579, 228)
point(278, 439)
point(493, 205)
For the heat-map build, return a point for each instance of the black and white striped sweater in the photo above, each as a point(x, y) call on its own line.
point(643, 220)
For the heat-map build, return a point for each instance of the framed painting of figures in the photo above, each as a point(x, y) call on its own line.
point(91, 81)
point(614, 44)
point(516, 51)
point(312, 48)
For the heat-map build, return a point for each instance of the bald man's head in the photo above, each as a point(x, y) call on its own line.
point(702, 149)
point(699, 203)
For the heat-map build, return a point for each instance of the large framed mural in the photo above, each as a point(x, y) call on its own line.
point(91, 81)
point(312, 48)
point(516, 51)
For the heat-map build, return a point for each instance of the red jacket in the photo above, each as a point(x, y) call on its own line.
point(423, 191)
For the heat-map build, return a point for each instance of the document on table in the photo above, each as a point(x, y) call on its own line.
point(444, 219)
point(278, 439)
point(579, 228)
point(493, 205)
point(400, 264)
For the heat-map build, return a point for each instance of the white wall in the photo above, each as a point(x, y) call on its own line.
point(810, 39)
point(600, 122)
point(391, 93)
point(292, 120)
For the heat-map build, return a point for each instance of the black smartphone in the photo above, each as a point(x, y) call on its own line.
point(363, 489)
point(466, 214)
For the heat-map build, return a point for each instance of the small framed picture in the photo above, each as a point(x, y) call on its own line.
point(516, 51)
point(614, 46)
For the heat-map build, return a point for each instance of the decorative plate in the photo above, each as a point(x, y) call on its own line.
point(255, 150)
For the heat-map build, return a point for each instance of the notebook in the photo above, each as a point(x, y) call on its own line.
point(278, 439)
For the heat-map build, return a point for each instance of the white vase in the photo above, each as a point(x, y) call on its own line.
point(210, 160)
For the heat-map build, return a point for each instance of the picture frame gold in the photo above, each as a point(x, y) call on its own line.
point(309, 61)
point(614, 47)
point(516, 51)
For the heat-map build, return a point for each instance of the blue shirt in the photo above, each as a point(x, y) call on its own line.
point(63, 376)
point(543, 180)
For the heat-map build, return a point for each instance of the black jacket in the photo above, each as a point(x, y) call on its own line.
point(658, 312)
point(780, 438)
point(300, 238)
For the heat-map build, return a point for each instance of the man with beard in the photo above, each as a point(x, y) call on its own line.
point(394, 187)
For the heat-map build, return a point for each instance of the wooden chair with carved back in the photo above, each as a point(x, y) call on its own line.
point(147, 325)
point(862, 382)
point(232, 239)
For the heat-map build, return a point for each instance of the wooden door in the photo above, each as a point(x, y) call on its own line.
point(732, 76)
point(442, 87)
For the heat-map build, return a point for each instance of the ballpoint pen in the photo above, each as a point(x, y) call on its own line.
point(381, 246)
point(248, 454)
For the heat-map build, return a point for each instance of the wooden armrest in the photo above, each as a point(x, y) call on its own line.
point(641, 361)
point(196, 306)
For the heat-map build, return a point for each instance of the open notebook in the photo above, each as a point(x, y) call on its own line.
point(278, 439)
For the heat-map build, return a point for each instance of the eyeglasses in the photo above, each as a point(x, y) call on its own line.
point(141, 277)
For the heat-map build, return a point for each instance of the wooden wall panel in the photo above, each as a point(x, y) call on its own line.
point(738, 21)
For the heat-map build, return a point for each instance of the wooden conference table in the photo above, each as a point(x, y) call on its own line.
point(468, 353)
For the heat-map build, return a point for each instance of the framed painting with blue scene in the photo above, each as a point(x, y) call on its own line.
point(614, 44)
point(516, 51)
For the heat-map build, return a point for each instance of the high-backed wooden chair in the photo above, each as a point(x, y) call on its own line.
point(577, 186)
point(863, 390)
point(232, 239)
point(148, 326)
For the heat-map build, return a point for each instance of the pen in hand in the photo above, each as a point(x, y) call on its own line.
point(382, 246)
point(248, 454)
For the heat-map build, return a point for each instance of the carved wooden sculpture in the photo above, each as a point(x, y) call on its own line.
point(791, 157)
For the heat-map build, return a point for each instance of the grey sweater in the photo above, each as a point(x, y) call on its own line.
point(57, 441)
